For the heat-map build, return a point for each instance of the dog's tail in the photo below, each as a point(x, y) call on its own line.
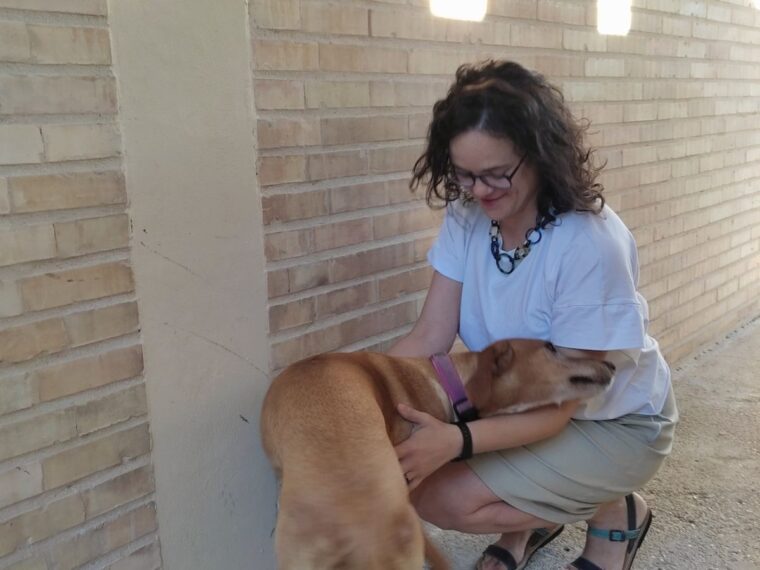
point(433, 556)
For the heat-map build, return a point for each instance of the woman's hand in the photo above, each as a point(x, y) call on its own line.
point(433, 443)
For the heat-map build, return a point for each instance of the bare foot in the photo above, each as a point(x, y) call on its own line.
point(606, 553)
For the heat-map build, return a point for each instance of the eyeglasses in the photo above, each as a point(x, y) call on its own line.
point(466, 180)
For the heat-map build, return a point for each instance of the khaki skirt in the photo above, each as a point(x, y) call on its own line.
point(565, 478)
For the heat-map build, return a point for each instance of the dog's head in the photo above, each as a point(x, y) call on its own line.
point(520, 374)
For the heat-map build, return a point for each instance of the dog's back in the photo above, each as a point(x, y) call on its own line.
point(343, 499)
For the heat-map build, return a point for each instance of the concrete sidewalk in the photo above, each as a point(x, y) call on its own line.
point(704, 499)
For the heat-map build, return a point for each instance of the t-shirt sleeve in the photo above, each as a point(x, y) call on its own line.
point(447, 255)
point(595, 302)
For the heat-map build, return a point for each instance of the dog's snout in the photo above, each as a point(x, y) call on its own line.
point(609, 365)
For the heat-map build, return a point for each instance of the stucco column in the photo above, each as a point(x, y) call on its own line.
point(186, 112)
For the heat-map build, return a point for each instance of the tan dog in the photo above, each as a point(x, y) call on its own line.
point(329, 425)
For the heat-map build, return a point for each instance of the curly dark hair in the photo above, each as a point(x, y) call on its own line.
point(505, 100)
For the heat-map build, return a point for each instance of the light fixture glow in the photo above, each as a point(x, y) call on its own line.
point(613, 17)
point(756, 4)
point(470, 10)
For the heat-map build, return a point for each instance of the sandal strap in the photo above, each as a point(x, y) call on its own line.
point(614, 535)
point(621, 535)
point(502, 555)
point(583, 564)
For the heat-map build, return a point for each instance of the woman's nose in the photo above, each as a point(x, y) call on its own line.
point(480, 189)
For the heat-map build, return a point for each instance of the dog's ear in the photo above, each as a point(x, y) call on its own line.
point(492, 361)
point(502, 358)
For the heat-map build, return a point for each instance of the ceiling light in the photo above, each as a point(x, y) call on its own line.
point(613, 17)
point(471, 10)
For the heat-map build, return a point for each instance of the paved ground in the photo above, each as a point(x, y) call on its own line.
point(705, 498)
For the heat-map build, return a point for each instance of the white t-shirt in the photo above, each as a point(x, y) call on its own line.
point(577, 289)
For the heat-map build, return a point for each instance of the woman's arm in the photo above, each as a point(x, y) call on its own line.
point(435, 443)
point(437, 326)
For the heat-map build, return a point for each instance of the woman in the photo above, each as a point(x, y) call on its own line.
point(529, 249)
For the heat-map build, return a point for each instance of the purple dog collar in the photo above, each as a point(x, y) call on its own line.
point(449, 379)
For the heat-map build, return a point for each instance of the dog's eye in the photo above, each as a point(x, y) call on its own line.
point(550, 347)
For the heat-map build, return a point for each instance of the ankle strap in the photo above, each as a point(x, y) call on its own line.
point(614, 535)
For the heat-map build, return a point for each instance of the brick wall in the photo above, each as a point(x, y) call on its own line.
point(344, 90)
point(76, 482)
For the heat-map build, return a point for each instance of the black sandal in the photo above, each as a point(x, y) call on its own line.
point(540, 538)
point(634, 536)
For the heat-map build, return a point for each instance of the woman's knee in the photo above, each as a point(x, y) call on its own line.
point(448, 497)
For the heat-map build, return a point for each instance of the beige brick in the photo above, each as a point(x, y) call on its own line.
point(37, 525)
point(281, 169)
point(277, 283)
point(5, 203)
point(287, 244)
point(337, 164)
point(111, 410)
point(334, 19)
point(337, 94)
point(289, 315)
point(75, 285)
point(17, 394)
point(86, 373)
point(552, 65)
point(88, 7)
point(394, 159)
point(273, 55)
point(399, 223)
point(334, 57)
point(288, 207)
point(56, 44)
point(91, 235)
point(26, 243)
point(80, 142)
point(283, 133)
point(37, 563)
point(419, 123)
point(358, 196)
point(14, 41)
point(83, 548)
point(303, 277)
point(524, 9)
point(63, 191)
point(71, 465)
point(21, 94)
point(346, 299)
point(341, 234)
point(279, 94)
point(19, 483)
point(581, 40)
point(605, 67)
point(371, 261)
point(562, 12)
point(429, 62)
point(146, 558)
point(25, 342)
point(101, 324)
point(404, 283)
point(36, 433)
point(537, 37)
point(276, 14)
point(348, 130)
point(344, 333)
point(10, 299)
point(141, 522)
point(20, 144)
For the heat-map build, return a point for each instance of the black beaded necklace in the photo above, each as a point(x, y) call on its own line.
point(532, 237)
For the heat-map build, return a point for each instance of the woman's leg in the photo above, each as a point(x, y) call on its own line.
point(455, 498)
